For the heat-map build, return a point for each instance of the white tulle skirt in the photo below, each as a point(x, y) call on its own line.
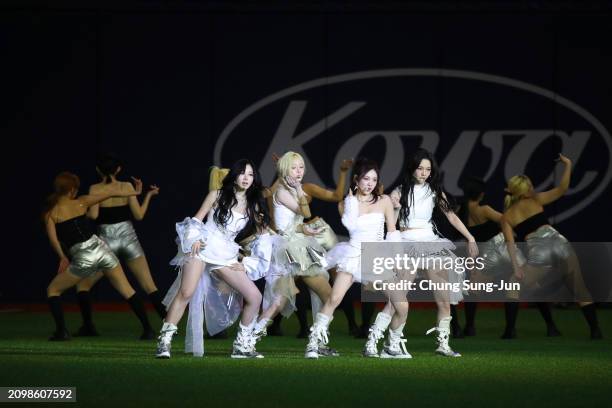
point(424, 242)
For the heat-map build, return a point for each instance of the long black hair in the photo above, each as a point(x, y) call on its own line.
point(361, 167)
point(472, 188)
point(434, 181)
point(257, 210)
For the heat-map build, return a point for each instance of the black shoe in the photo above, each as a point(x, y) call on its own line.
point(60, 336)
point(596, 334)
point(469, 331)
point(86, 331)
point(552, 331)
point(148, 334)
point(303, 334)
point(509, 334)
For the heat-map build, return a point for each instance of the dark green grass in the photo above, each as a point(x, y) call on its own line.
point(117, 370)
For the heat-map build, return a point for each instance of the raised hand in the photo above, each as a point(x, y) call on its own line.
point(564, 159)
point(153, 190)
point(137, 185)
point(346, 164)
point(291, 182)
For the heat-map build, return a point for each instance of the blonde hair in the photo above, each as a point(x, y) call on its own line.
point(284, 163)
point(518, 187)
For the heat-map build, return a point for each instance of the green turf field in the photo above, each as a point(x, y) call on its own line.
point(117, 370)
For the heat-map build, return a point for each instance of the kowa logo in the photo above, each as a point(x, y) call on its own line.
point(476, 123)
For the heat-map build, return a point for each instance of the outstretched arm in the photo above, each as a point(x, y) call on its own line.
point(556, 193)
point(139, 210)
point(324, 194)
point(491, 214)
point(115, 191)
point(94, 210)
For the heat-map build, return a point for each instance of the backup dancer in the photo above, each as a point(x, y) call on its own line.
point(545, 248)
point(365, 212)
point(113, 217)
point(483, 222)
point(82, 253)
point(211, 279)
point(296, 253)
point(421, 192)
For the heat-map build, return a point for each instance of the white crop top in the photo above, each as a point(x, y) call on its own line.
point(421, 210)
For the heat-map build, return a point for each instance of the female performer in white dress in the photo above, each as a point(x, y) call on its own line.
point(364, 215)
point(296, 253)
point(211, 278)
point(416, 199)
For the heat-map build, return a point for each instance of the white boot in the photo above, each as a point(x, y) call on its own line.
point(395, 346)
point(324, 349)
point(244, 345)
point(164, 341)
point(260, 329)
point(377, 331)
point(443, 330)
point(318, 336)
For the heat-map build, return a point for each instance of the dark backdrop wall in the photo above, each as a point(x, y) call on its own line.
point(494, 92)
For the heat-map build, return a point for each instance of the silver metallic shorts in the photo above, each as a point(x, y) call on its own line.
point(546, 247)
point(496, 256)
point(91, 256)
point(122, 239)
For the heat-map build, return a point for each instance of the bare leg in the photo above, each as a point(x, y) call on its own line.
point(61, 282)
point(140, 268)
point(87, 283)
point(342, 284)
point(441, 297)
point(240, 282)
point(192, 271)
point(119, 281)
point(319, 285)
